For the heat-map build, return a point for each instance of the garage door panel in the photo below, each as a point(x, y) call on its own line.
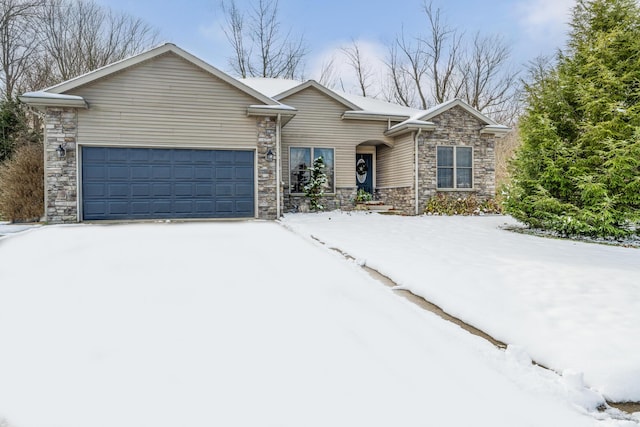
point(204, 189)
point(140, 207)
point(243, 190)
point(141, 172)
point(223, 190)
point(118, 190)
point(161, 190)
point(117, 154)
point(183, 172)
point(118, 208)
point(161, 172)
point(184, 189)
point(143, 183)
point(140, 190)
point(243, 172)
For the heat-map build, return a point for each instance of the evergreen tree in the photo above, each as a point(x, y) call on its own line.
point(314, 189)
point(578, 170)
point(14, 129)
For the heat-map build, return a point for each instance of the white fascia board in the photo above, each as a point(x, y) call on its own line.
point(497, 130)
point(367, 115)
point(410, 126)
point(45, 99)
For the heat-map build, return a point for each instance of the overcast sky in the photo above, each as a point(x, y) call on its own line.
point(531, 27)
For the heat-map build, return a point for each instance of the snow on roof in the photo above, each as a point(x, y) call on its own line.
point(48, 95)
point(269, 86)
point(273, 87)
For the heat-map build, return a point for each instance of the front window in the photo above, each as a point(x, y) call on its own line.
point(300, 162)
point(455, 167)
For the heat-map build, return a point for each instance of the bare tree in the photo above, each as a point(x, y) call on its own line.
point(260, 47)
point(80, 36)
point(362, 68)
point(328, 74)
point(438, 66)
point(18, 43)
point(488, 83)
point(423, 68)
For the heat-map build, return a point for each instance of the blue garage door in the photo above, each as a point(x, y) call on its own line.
point(152, 183)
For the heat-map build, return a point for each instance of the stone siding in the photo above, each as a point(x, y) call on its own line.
point(267, 182)
point(456, 127)
point(61, 192)
point(344, 199)
point(401, 198)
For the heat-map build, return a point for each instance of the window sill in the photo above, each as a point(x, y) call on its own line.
point(468, 190)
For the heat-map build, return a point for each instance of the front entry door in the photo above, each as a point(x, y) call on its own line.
point(364, 172)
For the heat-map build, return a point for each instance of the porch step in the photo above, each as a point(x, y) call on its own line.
point(374, 205)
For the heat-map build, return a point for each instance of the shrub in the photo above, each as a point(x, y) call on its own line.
point(363, 196)
point(22, 184)
point(442, 204)
point(314, 190)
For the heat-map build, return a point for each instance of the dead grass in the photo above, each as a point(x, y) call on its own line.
point(505, 150)
point(22, 185)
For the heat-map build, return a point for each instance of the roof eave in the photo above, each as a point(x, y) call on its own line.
point(403, 128)
point(364, 115)
point(286, 112)
point(43, 101)
point(498, 131)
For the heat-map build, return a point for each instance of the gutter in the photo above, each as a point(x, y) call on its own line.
point(416, 137)
point(278, 165)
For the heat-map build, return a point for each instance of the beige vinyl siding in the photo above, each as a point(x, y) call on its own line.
point(165, 101)
point(395, 167)
point(318, 123)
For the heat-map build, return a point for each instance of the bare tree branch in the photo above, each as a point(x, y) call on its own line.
point(80, 36)
point(18, 44)
point(260, 48)
point(362, 68)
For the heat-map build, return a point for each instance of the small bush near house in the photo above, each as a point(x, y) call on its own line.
point(22, 184)
point(443, 204)
point(314, 190)
point(363, 196)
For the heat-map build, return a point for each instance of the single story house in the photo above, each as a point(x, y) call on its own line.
point(164, 135)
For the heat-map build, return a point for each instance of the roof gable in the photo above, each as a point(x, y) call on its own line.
point(436, 110)
point(313, 84)
point(150, 54)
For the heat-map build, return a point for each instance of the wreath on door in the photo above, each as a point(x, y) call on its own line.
point(361, 170)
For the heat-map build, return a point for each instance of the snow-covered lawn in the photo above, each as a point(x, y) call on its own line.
point(243, 324)
point(570, 305)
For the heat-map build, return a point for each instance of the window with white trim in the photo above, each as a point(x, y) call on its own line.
point(455, 167)
point(300, 160)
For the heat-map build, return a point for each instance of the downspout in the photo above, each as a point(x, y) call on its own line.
point(278, 165)
point(415, 152)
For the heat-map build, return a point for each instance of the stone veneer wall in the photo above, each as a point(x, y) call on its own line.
point(61, 192)
point(456, 127)
point(401, 198)
point(342, 199)
point(267, 196)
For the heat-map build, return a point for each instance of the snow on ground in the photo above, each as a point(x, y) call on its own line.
point(570, 305)
point(242, 324)
point(9, 228)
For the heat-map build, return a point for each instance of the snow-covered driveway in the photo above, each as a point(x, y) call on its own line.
point(571, 305)
point(240, 324)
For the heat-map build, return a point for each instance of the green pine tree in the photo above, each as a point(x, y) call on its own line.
point(578, 170)
point(314, 190)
